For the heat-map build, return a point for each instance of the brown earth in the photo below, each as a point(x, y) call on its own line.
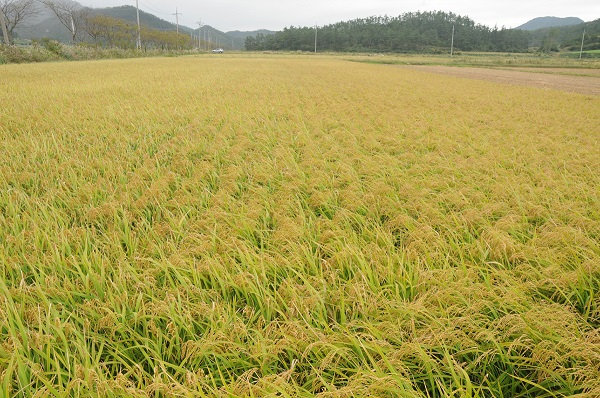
point(589, 84)
point(560, 71)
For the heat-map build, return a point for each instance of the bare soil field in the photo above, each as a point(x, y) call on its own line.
point(525, 77)
point(560, 71)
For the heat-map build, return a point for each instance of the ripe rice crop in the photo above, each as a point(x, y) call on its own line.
point(229, 226)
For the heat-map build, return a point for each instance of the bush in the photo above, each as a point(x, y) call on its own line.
point(51, 45)
point(51, 50)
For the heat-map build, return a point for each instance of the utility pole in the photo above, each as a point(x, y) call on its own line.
point(177, 14)
point(199, 32)
point(452, 44)
point(4, 29)
point(316, 38)
point(582, 39)
point(139, 30)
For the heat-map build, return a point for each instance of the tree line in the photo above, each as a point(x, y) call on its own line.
point(418, 32)
point(567, 38)
point(409, 32)
point(112, 32)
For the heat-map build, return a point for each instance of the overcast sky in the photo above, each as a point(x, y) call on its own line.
point(227, 15)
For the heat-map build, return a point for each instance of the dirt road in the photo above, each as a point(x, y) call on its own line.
point(589, 84)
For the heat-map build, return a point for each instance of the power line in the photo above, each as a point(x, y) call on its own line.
point(154, 9)
point(187, 22)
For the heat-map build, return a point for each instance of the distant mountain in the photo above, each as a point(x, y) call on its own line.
point(44, 12)
point(228, 40)
point(567, 38)
point(47, 25)
point(549, 22)
point(128, 13)
point(242, 35)
point(239, 37)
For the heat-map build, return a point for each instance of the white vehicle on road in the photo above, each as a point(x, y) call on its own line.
point(217, 51)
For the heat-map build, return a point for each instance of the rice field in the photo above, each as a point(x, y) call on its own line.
point(295, 226)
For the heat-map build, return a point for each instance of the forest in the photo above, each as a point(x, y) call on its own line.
point(421, 32)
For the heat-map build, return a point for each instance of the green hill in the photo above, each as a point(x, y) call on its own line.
point(227, 40)
point(549, 22)
point(567, 38)
point(128, 13)
point(47, 25)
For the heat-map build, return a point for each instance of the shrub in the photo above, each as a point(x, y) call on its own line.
point(51, 45)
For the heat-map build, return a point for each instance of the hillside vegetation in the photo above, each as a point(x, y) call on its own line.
point(128, 14)
point(550, 22)
point(424, 32)
point(122, 22)
point(411, 32)
point(296, 227)
point(568, 38)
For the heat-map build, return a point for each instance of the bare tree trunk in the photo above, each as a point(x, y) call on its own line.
point(4, 29)
point(14, 13)
point(70, 16)
point(73, 29)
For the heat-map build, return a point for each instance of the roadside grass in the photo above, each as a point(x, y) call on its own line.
point(485, 60)
point(294, 227)
point(587, 54)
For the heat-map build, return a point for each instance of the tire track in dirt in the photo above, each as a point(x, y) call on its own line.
point(574, 84)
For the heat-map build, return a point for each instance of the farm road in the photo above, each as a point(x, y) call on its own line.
point(539, 78)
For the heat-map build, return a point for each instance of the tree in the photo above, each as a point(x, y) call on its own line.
point(70, 14)
point(153, 38)
point(15, 12)
point(113, 32)
point(550, 42)
point(94, 26)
